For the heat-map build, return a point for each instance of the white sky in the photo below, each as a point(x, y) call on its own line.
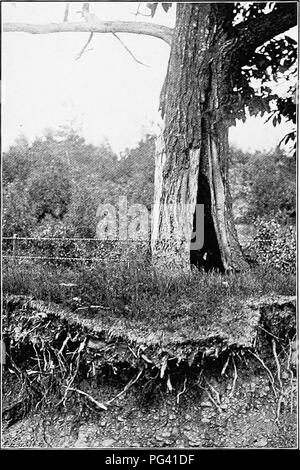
point(106, 92)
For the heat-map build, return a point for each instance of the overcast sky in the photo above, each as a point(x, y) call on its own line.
point(105, 93)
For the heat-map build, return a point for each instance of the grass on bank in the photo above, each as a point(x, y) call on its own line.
point(133, 299)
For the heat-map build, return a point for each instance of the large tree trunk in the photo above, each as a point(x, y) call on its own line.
point(192, 154)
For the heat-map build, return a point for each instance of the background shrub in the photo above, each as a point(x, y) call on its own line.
point(275, 244)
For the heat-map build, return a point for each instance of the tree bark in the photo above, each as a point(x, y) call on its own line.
point(192, 155)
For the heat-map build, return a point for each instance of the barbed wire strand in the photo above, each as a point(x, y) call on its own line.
point(106, 260)
point(63, 238)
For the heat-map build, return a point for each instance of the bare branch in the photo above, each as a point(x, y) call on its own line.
point(66, 14)
point(137, 11)
point(128, 50)
point(84, 47)
point(136, 27)
point(255, 32)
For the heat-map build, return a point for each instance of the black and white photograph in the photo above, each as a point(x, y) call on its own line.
point(149, 228)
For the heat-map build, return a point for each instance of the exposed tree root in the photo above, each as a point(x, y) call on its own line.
point(235, 376)
point(182, 391)
point(211, 398)
point(281, 393)
point(51, 355)
point(130, 383)
point(269, 333)
point(225, 365)
point(268, 371)
point(291, 377)
point(277, 363)
point(80, 392)
point(215, 391)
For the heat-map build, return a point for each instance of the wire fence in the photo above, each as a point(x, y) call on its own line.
point(68, 249)
point(73, 249)
point(79, 272)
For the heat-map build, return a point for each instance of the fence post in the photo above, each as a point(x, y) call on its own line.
point(14, 245)
point(3, 353)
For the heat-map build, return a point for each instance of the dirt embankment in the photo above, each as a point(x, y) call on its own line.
point(67, 384)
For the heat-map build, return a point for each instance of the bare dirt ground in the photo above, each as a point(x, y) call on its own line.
point(240, 415)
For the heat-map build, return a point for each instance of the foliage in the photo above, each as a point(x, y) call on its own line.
point(66, 179)
point(48, 241)
point(49, 190)
point(275, 245)
point(264, 194)
point(266, 182)
point(274, 63)
point(134, 175)
point(16, 163)
point(153, 7)
point(81, 214)
point(17, 216)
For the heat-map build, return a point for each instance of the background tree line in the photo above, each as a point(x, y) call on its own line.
point(53, 186)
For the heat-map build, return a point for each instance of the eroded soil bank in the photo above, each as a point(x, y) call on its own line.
point(67, 385)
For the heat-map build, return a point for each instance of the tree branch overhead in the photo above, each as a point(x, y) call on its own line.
point(255, 32)
point(148, 29)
